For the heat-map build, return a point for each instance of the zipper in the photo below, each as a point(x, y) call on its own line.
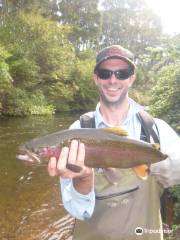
point(117, 194)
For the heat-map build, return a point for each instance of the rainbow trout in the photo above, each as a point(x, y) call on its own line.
point(104, 148)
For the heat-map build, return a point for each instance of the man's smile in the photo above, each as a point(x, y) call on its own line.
point(112, 90)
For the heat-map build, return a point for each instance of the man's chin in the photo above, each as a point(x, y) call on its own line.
point(112, 102)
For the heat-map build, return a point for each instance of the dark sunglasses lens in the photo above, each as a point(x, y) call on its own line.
point(104, 73)
point(122, 74)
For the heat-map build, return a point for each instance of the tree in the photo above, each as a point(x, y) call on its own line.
point(129, 23)
point(5, 77)
point(166, 95)
point(46, 8)
point(84, 17)
point(165, 74)
point(86, 95)
point(39, 63)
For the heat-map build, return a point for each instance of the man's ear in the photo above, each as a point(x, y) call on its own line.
point(95, 78)
point(132, 79)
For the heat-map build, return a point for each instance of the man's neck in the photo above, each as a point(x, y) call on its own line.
point(115, 115)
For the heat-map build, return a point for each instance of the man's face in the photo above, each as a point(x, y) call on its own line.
point(112, 90)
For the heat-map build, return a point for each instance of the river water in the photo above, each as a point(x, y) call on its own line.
point(30, 201)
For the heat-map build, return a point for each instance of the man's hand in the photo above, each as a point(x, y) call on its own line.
point(75, 154)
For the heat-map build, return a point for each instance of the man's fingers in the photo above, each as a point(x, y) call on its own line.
point(70, 163)
point(61, 165)
point(81, 154)
point(52, 166)
point(73, 152)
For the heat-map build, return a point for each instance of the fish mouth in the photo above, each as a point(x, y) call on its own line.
point(26, 155)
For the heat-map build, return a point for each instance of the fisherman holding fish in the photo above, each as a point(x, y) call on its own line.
point(113, 203)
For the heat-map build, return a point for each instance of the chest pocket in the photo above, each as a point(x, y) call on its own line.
point(111, 183)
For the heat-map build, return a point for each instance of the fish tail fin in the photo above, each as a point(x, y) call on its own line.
point(141, 171)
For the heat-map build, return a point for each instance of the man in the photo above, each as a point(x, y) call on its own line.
point(109, 214)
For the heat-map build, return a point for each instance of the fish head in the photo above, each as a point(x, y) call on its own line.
point(28, 155)
point(37, 155)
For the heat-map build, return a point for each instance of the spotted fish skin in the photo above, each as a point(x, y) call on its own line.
point(103, 149)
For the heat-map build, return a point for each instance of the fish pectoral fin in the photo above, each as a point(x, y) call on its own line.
point(141, 171)
point(116, 130)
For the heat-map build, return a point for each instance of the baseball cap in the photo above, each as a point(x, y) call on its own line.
point(115, 51)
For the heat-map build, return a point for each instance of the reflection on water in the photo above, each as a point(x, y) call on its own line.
point(30, 202)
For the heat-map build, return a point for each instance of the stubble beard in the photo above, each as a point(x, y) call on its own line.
point(110, 103)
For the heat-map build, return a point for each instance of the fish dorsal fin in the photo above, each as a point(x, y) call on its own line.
point(156, 146)
point(116, 130)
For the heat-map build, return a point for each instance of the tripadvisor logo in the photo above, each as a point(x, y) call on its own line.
point(139, 231)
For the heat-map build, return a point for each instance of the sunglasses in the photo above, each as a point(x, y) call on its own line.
point(120, 74)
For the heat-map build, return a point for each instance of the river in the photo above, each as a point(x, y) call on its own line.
point(30, 201)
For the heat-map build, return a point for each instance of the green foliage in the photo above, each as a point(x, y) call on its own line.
point(175, 191)
point(165, 95)
point(21, 103)
point(86, 95)
point(5, 78)
point(24, 72)
point(129, 23)
point(84, 17)
point(46, 8)
point(40, 58)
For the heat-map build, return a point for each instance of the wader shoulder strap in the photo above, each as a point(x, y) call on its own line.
point(87, 120)
point(147, 131)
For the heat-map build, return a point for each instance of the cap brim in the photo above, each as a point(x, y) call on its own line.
point(115, 56)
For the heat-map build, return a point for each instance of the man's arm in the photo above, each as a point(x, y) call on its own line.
point(80, 206)
point(77, 189)
point(167, 172)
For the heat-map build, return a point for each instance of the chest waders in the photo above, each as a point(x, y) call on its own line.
point(127, 208)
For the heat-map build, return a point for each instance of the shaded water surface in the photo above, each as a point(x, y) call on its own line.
point(30, 202)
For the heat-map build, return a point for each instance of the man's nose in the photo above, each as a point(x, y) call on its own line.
point(113, 79)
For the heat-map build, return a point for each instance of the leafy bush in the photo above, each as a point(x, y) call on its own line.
point(166, 95)
point(165, 104)
point(5, 78)
point(21, 103)
point(38, 62)
point(175, 191)
point(86, 94)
